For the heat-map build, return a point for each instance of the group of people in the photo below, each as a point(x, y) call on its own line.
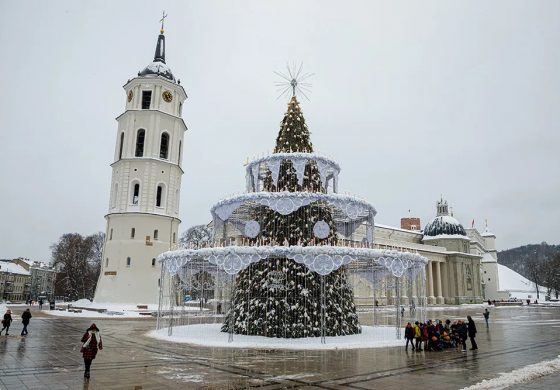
point(437, 335)
point(7, 322)
point(91, 340)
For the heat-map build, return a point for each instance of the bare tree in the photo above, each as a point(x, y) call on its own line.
point(197, 236)
point(78, 260)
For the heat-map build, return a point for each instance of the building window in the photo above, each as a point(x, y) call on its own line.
point(106, 262)
point(136, 194)
point(121, 146)
point(128, 261)
point(156, 234)
point(179, 158)
point(159, 195)
point(153, 262)
point(146, 99)
point(180, 108)
point(164, 146)
point(488, 279)
point(132, 232)
point(140, 136)
point(174, 237)
point(111, 234)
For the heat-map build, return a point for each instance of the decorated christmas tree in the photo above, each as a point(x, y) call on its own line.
point(278, 297)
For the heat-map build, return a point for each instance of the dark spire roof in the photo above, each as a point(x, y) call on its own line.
point(158, 67)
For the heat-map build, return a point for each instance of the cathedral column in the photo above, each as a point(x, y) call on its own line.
point(431, 298)
point(440, 299)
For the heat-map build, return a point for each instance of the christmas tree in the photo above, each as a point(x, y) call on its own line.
point(277, 297)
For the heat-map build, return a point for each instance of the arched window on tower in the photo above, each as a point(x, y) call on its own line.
point(136, 193)
point(160, 195)
point(121, 146)
point(140, 136)
point(164, 146)
point(179, 158)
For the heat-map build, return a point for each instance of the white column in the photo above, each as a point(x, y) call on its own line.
point(440, 299)
point(430, 279)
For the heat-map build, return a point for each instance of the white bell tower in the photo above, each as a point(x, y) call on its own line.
point(143, 217)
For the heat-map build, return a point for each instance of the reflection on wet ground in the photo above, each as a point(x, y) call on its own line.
point(49, 358)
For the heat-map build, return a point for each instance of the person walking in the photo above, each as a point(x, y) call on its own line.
point(40, 303)
point(409, 336)
point(25, 317)
point(91, 344)
point(6, 322)
point(486, 315)
point(471, 327)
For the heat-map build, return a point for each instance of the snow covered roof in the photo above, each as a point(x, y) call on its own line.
point(444, 225)
point(453, 236)
point(13, 268)
point(488, 233)
point(488, 258)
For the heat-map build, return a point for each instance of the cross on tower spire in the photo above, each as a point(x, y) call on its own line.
point(163, 16)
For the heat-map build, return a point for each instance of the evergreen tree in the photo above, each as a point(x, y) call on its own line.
point(277, 297)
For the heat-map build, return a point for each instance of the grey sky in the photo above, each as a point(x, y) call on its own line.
point(413, 99)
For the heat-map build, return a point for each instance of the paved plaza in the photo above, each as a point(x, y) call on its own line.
point(49, 358)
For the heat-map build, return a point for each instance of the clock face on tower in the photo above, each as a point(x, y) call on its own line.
point(130, 95)
point(167, 96)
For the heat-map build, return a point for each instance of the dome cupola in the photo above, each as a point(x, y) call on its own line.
point(443, 223)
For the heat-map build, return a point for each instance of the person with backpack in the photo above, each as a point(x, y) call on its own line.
point(91, 345)
point(25, 317)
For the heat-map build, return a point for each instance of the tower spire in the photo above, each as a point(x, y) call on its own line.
point(159, 56)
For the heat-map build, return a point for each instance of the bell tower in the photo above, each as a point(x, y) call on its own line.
point(143, 215)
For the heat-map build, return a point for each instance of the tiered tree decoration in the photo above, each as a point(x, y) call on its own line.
point(278, 297)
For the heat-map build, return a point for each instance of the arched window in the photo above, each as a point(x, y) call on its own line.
point(159, 196)
point(156, 234)
point(164, 146)
point(121, 146)
point(179, 158)
point(140, 136)
point(136, 194)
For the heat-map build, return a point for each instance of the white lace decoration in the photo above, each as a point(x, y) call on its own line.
point(320, 259)
point(252, 229)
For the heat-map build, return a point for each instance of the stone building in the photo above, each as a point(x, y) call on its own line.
point(42, 278)
point(15, 282)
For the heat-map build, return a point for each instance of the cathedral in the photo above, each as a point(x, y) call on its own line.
point(143, 216)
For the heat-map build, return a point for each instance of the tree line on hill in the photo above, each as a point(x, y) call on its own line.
point(540, 263)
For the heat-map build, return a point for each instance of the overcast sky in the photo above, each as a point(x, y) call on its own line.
point(413, 99)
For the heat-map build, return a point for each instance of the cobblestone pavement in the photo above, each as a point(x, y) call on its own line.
point(49, 358)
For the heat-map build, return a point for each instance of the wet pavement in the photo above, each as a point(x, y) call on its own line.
point(49, 358)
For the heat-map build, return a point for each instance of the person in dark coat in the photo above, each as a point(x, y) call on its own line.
point(6, 322)
point(471, 327)
point(462, 333)
point(25, 317)
point(40, 303)
point(91, 344)
point(409, 336)
point(486, 315)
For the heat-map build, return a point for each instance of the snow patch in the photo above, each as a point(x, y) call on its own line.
point(210, 335)
point(521, 375)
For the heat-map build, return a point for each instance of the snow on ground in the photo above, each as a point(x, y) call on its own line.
point(518, 286)
point(113, 310)
point(521, 375)
point(209, 335)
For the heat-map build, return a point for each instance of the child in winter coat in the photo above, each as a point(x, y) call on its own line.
point(91, 344)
